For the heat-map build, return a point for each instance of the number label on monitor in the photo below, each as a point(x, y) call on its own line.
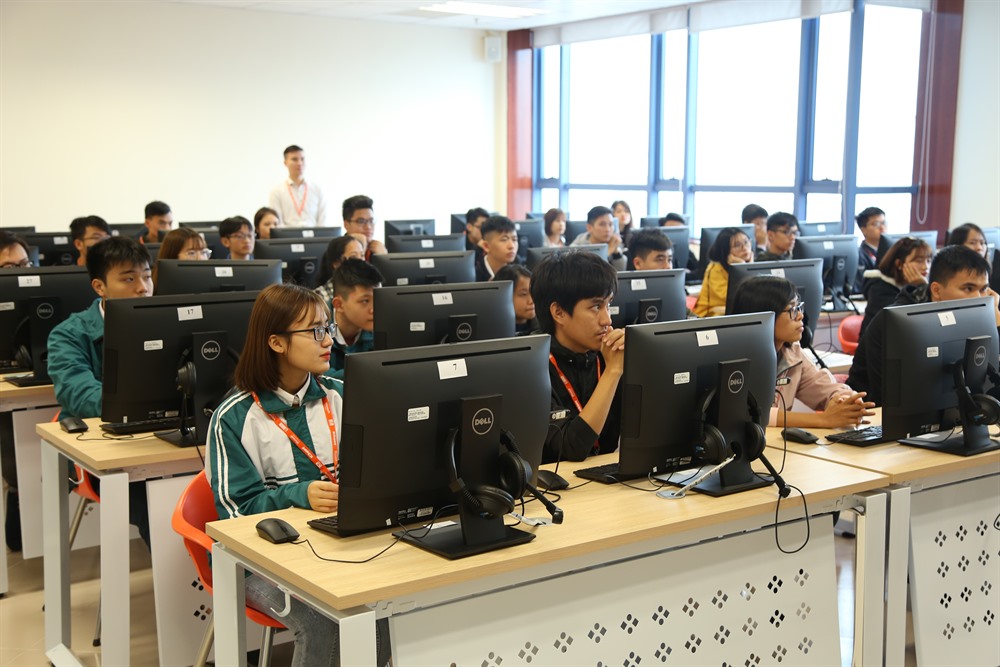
point(223, 272)
point(821, 228)
point(423, 413)
point(150, 345)
point(308, 233)
point(453, 368)
point(682, 378)
point(778, 272)
point(402, 282)
point(418, 326)
point(29, 281)
point(189, 313)
point(947, 318)
point(284, 265)
point(298, 247)
point(61, 240)
point(442, 299)
point(638, 284)
point(7, 305)
point(706, 338)
point(614, 310)
point(933, 352)
point(426, 263)
point(426, 243)
point(827, 245)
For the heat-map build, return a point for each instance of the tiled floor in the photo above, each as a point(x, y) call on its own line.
point(22, 628)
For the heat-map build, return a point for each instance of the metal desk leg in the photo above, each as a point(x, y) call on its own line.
point(869, 580)
point(357, 639)
point(898, 555)
point(229, 602)
point(55, 536)
point(115, 599)
point(3, 542)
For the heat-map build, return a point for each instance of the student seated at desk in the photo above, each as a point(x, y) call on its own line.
point(499, 244)
point(353, 308)
point(264, 220)
point(13, 251)
point(555, 228)
point(732, 246)
point(119, 269)
point(601, 229)
point(359, 222)
point(648, 249)
point(971, 236)
point(782, 230)
point(907, 262)
point(524, 307)
point(87, 232)
point(181, 243)
point(836, 405)
point(236, 234)
point(339, 249)
point(273, 441)
point(956, 273)
point(572, 293)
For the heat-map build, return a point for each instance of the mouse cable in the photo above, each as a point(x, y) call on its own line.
point(105, 437)
point(805, 506)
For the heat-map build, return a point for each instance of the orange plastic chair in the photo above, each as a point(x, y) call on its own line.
point(691, 300)
point(849, 332)
point(195, 508)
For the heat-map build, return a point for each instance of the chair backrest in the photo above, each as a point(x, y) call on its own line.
point(84, 482)
point(195, 508)
point(849, 332)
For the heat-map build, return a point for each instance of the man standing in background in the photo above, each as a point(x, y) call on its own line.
point(298, 202)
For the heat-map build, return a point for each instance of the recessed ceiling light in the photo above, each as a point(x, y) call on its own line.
point(481, 9)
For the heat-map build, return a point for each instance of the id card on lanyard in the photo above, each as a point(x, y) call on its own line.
point(297, 441)
point(572, 392)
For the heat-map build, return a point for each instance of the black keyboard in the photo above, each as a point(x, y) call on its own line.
point(326, 524)
point(608, 473)
point(862, 437)
point(141, 426)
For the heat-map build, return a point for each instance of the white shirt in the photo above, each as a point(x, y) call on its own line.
point(313, 209)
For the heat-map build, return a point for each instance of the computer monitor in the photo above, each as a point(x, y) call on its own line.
point(154, 343)
point(419, 315)
point(530, 234)
point(576, 227)
point(648, 296)
point(403, 412)
point(185, 276)
point(426, 268)
point(129, 230)
point(458, 223)
point(209, 232)
point(414, 227)
point(33, 255)
point(928, 349)
point(649, 221)
point(681, 375)
point(805, 274)
point(154, 251)
point(820, 228)
point(24, 229)
point(33, 300)
point(306, 232)
point(995, 271)
point(536, 255)
point(840, 263)
point(535, 215)
point(680, 239)
point(300, 258)
point(54, 248)
point(425, 243)
point(929, 237)
point(708, 236)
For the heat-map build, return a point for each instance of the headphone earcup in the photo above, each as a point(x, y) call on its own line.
point(713, 444)
point(755, 441)
point(23, 356)
point(515, 472)
point(493, 501)
point(989, 409)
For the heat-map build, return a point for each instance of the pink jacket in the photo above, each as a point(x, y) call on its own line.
point(799, 378)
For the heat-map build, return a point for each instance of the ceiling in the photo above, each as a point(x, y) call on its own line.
point(408, 11)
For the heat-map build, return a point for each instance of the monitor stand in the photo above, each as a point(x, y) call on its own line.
point(480, 452)
point(202, 379)
point(43, 315)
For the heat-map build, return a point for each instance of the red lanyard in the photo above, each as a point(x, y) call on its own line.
point(298, 441)
point(572, 392)
point(305, 194)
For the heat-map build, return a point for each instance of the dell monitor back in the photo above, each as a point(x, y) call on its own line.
point(648, 296)
point(300, 258)
point(176, 276)
point(536, 255)
point(425, 243)
point(426, 268)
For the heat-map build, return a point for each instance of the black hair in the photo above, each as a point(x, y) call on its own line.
point(497, 223)
point(78, 228)
point(870, 212)
point(762, 294)
point(355, 273)
point(233, 225)
point(355, 203)
point(628, 208)
point(647, 240)
point(551, 216)
point(672, 217)
point(113, 251)
point(476, 213)
point(156, 208)
point(719, 252)
point(292, 149)
point(334, 252)
point(751, 212)
point(960, 234)
point(953, 259)
point(566, 278)
point(597, 212)
point(780, 220)
point(7, 240)
point(513, 273)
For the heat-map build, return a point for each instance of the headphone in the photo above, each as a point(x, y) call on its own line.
point(709, 441)
point(491, 501)
point(982, 409)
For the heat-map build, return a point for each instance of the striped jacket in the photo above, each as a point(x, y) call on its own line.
point(252, 466)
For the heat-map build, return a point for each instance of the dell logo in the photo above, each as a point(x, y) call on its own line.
point(979, 358)
point(482, 421)
point(210, 350)
point(735, 382)
point(45, 310)
point(463, 331)
point(841, 263)
point(651, 314)
point(308, 267)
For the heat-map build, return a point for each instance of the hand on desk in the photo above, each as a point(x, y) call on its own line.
point(847, 409)
point(323, 496)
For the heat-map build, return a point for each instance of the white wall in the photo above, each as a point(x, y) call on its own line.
point(975, 195)
point(105, 106)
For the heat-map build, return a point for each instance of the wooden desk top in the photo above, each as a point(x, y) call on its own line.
point(901, 463)
point(598, 517)
point(100, 454)
point(13, 397)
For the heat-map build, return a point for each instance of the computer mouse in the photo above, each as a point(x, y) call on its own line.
point(549, 481)
point(73, 425)
point(799, 435)
point(277, 531)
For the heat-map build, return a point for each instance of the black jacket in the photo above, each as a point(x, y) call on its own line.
point(868, 260)
point(570, 438)
point(878, 293)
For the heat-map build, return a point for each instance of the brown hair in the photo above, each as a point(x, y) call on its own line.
point(172, 245)
point(276, 309)
point(892, 262)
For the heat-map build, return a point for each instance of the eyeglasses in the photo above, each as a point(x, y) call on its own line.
point(93, 240)
point(794, 233)
point(364, 222)
point(23, 264)
point(795, 310)
point(319, 333)
point(243, 236)
point(194, 254)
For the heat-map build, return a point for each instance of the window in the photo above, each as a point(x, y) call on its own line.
point(831, 99)
point(674, 105)
point(581, 201)
point(549, 111)
point(724, 209)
